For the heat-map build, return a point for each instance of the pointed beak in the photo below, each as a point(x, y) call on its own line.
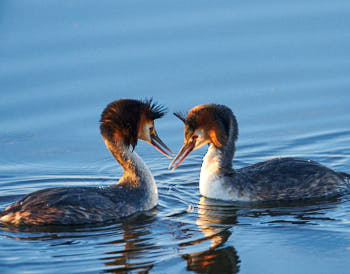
point(183, 153)
point(158, 144)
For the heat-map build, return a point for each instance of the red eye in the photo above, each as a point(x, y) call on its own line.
point(195, 137)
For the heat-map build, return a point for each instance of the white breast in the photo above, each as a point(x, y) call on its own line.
point(212, 184)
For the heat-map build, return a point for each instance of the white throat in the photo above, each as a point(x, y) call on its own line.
point(210, 181)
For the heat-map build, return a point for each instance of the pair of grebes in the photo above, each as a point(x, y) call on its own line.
point(125, 121)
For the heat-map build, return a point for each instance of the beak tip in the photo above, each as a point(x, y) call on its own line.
point(171, 167)
point(182, 154)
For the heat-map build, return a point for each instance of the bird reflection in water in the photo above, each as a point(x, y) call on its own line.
point(214, 221)
point(132, 251)
point(137, 246)
point(215, 218)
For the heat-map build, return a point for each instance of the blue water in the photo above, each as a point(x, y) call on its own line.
point(282, 66)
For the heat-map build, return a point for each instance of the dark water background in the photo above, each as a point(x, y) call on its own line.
point(282, 66)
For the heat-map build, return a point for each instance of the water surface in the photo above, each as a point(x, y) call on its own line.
point(283, 67)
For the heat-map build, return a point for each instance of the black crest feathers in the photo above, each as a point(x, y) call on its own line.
point(181, 116)
point(156, 110)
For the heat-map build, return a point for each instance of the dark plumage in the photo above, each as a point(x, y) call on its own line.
point(289, 178)
point(76, 205)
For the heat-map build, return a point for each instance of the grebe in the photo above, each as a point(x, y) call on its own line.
point(123, 122)
point(277, 179)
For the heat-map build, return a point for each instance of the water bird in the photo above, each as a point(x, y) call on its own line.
point(279, 179)
point(122, 123)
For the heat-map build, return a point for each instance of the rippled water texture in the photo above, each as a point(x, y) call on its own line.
point(282, 66)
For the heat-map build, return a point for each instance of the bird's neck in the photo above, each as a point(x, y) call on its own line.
point(218, 161)
point(216, 169)
point(136, 172)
